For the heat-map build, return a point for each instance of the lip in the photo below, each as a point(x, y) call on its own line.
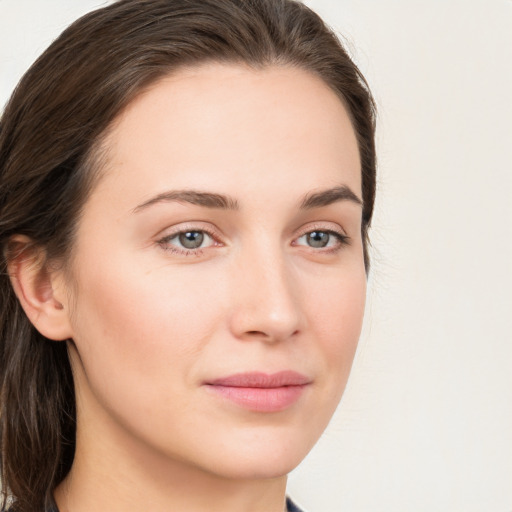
point(261, 392)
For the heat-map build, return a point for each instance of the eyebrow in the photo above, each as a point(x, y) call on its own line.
point(329, 196)
point(223, 202)
point(206, 199)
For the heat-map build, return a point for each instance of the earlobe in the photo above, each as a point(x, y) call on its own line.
point(38, 288)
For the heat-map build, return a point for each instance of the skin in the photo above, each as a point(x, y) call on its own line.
point(151, 322)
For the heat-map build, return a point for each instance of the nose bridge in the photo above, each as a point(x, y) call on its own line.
point(265, 302)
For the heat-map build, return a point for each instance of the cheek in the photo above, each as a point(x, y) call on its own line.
point(142, 322)
point(337, 311)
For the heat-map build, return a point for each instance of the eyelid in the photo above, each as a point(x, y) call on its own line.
point(183, 227)
point(164, 237)
point(331, 228)
point(167, 234)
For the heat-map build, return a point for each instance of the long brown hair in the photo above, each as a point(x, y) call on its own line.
point(50, 133)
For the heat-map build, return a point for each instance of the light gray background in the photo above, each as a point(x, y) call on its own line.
point(426, 422)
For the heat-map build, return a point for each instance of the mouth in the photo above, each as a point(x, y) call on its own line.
point(261, 392)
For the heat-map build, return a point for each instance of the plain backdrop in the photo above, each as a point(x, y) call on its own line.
point(426, 422)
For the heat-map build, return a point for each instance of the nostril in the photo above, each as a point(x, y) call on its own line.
point(263, 334)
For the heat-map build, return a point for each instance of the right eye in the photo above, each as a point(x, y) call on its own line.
point(187, 241)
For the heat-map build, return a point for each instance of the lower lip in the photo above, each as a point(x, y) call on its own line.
point(261, 399)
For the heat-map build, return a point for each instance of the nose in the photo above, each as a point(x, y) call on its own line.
point(265, 300)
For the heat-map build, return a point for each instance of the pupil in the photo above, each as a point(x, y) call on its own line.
point(318, 239)
point(191, 239)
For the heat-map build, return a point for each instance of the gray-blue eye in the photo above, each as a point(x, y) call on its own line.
point(192, 239)
point(319, 239)
point(187, 240)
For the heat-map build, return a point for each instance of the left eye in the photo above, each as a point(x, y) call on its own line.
point(319, 239)
point(190, 239)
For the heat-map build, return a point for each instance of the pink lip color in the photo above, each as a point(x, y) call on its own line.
point(261, 392)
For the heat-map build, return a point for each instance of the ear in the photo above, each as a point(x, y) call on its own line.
point(40, 290)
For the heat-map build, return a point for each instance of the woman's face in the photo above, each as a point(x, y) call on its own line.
point(218, 282)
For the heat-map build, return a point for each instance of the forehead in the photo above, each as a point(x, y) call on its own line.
point(231, 126)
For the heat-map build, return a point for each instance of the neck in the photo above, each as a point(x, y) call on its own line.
point(114, 471)
point(183, 490)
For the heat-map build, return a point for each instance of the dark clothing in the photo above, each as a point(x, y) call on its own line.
point(291, 507)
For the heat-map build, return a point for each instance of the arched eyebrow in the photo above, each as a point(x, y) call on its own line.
point(224, 202)
point(206, 199)
point(329, 196)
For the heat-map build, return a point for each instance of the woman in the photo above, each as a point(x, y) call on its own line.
point(185, 194)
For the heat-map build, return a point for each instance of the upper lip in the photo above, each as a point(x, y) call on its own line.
point(261, 380)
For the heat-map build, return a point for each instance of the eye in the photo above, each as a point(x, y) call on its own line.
point(187, 241)
point(191, 239)
point(321, 239)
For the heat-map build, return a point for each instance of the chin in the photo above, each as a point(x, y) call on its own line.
point(267, 457)
point(259, 469)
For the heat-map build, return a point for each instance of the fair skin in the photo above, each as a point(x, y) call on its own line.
point(272, 280)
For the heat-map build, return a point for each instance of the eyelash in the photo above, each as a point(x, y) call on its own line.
point(164, 242)
point(342, 240)
point(166, 246)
